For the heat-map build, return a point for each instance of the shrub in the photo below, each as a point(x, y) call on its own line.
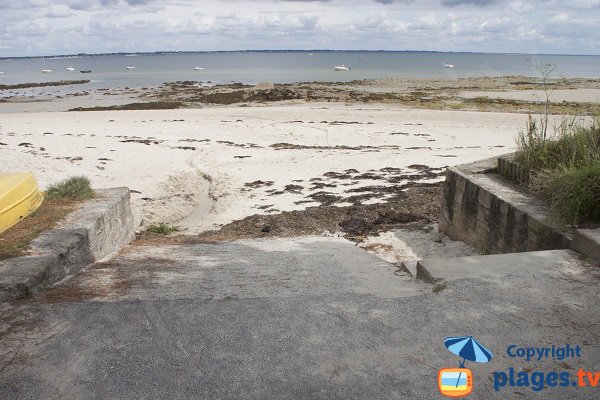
point(566, 166)
point(74, 188)
point(574, 194)
point(162, 228)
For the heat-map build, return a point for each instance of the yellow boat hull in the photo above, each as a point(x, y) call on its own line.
point(19, 197)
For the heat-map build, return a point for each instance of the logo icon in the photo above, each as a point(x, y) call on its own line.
point(458, 382)
point(455, 382)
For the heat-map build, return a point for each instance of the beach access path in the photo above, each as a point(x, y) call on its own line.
point(303, 318)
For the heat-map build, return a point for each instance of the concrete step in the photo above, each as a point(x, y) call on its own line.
point(410, 267)
point(501, 268)
point(427, 242)
point(587, 242)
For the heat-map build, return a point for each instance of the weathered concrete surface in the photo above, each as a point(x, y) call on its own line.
point(410, 267)
point(497, 268)
point(284, 319)
point(427, 242)
point(587, 242)
point(243, 269)
point(100, 227)
point(107, 219)
point(493, 215)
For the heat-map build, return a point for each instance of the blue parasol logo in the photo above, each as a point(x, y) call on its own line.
point(458, 382)
point(468, 348)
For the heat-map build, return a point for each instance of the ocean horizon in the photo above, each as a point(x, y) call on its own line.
point(286, 66)
point(163, 52)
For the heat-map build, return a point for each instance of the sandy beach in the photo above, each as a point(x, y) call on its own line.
point(203, 168)
point(202, 156)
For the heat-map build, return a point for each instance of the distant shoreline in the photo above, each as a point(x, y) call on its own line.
point(169, 52)
point(29, 85)
point(515, 94)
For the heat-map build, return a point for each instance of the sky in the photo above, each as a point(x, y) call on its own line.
point(42, 27)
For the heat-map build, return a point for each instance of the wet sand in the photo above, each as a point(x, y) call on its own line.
point(519, 94)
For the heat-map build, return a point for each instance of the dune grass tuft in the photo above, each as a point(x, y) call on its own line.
point(569, 162)
point(574, 194)
point(73, 188)
point(162, 228)
point(574, 144)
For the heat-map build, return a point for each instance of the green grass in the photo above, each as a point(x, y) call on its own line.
point(572, 144)
point(73, 188)
point(438, 287)
point(574, 194)
point(567, 161)
point(162, 228)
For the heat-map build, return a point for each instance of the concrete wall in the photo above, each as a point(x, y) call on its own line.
point(490, 213)
point(107, 220)
point(100, 227)
point(587, 241)
point(508, 168)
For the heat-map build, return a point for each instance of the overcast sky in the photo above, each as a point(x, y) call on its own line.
point(43, 27)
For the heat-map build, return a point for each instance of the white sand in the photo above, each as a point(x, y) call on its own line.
point(171, 181)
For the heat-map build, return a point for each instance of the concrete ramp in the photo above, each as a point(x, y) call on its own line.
point(290, 319)
point(287, 267)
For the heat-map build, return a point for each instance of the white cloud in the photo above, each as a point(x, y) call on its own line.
point(58, 12)
point(43, 26)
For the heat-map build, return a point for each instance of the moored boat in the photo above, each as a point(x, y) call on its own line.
point(342, 68)
point(19, 197)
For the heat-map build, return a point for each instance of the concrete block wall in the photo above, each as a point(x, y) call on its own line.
point(107, 219)
point(493, 215)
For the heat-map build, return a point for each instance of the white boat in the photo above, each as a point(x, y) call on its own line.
point(1, 72)
point(69, 68)
point(198, 68)
point(448, 65)
point(46, 71)
point(130, 68)
point(342, 68)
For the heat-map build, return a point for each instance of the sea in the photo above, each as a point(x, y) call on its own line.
point(251, 67)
